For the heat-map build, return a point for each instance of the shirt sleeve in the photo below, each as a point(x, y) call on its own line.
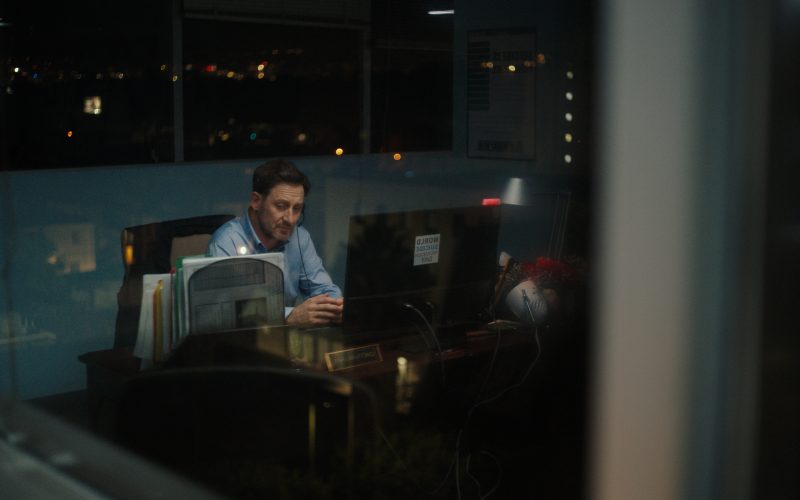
point(314, 279)
point(223, 242)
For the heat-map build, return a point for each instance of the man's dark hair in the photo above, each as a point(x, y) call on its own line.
point(275, 172)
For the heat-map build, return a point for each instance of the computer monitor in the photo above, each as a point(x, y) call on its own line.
point(443, 262)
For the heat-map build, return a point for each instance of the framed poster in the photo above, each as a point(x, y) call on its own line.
point(501, 88)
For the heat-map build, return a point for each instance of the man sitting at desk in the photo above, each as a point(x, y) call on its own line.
point(272, 223)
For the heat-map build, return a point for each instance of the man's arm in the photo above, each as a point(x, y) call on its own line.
point(323, 299)
point(314, 279)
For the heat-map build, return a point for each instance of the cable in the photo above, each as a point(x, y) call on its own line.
point(302, 259)
point(475, 479)
point(490, 400)
point(491, 365)
point(433, 335)
point(527, 302)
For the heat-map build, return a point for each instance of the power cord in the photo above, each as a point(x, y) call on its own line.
point(490, 400)
point(432, 332)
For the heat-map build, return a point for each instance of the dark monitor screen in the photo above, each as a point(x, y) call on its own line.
point(441, 261)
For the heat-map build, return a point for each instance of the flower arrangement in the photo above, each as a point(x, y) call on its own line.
point(550, 273)
point(543, 280)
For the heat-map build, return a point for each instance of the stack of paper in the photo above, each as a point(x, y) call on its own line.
point(155, 336)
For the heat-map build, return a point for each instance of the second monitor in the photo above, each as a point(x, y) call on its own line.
point(443, 262)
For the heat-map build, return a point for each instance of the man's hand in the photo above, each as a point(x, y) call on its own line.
point(319, 310)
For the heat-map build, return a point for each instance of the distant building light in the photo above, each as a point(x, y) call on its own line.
point(16, 69)
point(568, 117)
point(163, 67)
point(253, 136)
point(69, 134)
point(449, 12)
point(93, 105)
point(302, 137)
point(174, 78)
point(512, 68)
point(397, 157)
point(339, 151)
point(261, 75)
point(567, 158)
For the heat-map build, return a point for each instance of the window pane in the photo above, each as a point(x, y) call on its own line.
point(412, 77)
point(87, 85)
point(256, 89)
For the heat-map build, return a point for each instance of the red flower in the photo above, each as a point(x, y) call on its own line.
point(547, 273)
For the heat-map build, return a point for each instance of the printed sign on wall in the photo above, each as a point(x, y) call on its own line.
point(426, 249)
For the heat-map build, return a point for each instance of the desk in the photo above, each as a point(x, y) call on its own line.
point(423, 404)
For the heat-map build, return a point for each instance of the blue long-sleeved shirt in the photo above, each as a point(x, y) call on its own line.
point(304, 275)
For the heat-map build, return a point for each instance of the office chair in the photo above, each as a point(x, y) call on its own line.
point(153, 248)
point(246, 431)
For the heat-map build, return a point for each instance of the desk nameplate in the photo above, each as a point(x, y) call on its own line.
point(357, 356)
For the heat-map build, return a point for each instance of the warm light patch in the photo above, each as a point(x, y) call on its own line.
point(93, 105)
point(129, 255)
point(339, 151)
point(69, 134)
point(397, 156)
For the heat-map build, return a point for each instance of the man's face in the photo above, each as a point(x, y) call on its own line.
point(277, 213)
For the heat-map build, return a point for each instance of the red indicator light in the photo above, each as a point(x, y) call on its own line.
point(490, 202)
